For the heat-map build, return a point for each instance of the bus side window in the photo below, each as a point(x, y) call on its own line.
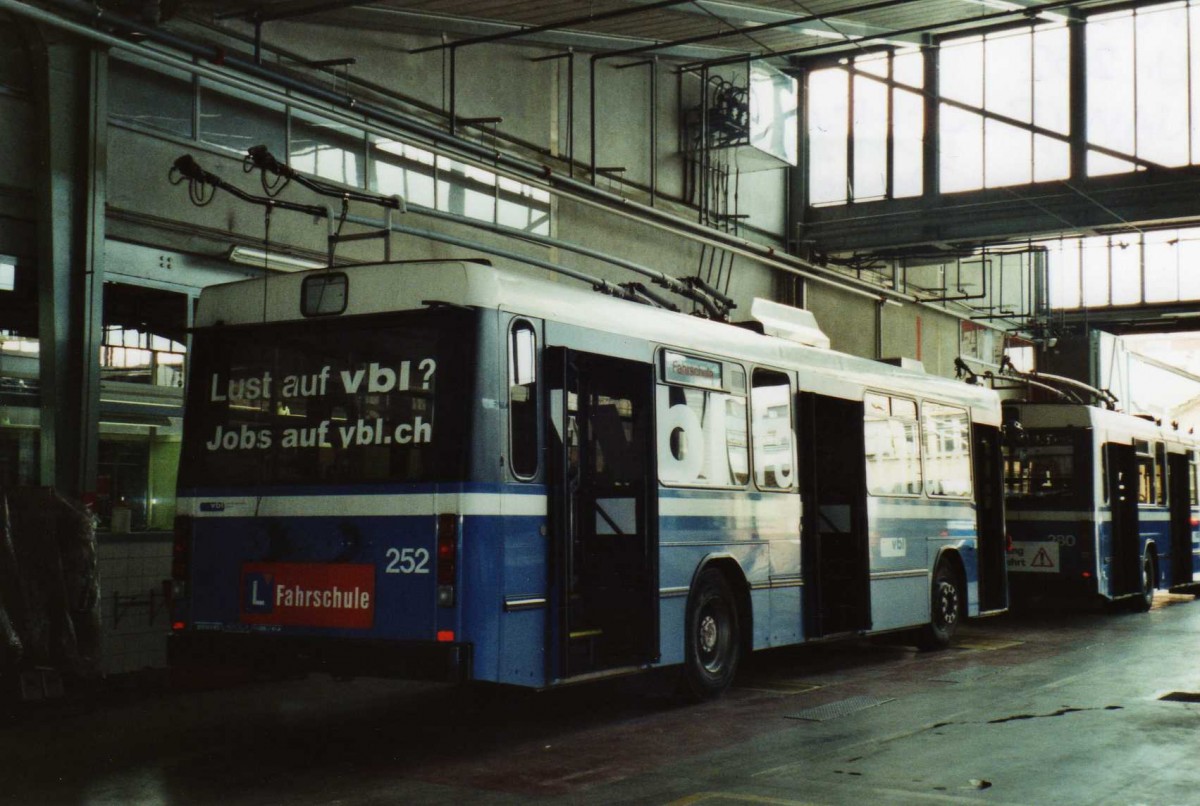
point(1145, 462)
point(1160, 476)
point(893, 448)
point(947, 431)
point(1195, 492)
point(522, 400)
point(771, 430)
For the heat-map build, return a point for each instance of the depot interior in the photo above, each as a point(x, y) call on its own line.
point(974, 179)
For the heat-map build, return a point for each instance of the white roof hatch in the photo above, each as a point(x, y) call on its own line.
point(786, 322)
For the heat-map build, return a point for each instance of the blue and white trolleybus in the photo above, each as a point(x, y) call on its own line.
point(457, 471)
point(1100, 504)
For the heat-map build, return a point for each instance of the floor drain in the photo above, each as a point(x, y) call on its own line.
point(1182, 696)
point(833, 710)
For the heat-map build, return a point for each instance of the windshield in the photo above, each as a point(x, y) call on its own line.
point(342, 401)
point(1047, 468)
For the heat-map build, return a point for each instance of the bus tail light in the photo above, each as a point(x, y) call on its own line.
point(181, 566)
point(181, 549)
point(1008, 541)
point(447, 558)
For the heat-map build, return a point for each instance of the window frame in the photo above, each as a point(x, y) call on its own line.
point(889, 396)
point(520, 323)
point(793, 485)
point(729, 371)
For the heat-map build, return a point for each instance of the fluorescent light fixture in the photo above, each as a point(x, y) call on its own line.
point(251, 256)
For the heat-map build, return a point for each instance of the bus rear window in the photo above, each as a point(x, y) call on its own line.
point(378, 399)
point(1047, 469)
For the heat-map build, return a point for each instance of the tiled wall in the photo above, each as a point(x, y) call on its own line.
point(133, 565)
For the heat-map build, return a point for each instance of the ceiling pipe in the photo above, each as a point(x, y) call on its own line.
point(580, 191)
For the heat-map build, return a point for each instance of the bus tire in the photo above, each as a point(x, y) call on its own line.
point(712, 641)
point(1145, 599)
point(945, 608)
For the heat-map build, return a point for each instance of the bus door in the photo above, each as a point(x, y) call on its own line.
point(1179, 496)
point(1124, 541)
point(835, 548)
point(989, 518)
point(604, 519)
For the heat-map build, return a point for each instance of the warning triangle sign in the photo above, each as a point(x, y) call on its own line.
point(1042, 560)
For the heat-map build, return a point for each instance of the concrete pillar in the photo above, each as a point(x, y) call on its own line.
point(72, 115)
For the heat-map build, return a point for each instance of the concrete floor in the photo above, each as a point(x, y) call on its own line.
point(1027, 709)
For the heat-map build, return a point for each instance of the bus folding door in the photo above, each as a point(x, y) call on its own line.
point(1179, 496)
point(1124, 540)
point(989, 517)
point(604, 538)
point(835, 549)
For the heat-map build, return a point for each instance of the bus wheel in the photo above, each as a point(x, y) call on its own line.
point(712, 641)
point(945, 609)
point(1143, 602)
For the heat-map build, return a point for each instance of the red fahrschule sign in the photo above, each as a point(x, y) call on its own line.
point(308, 595)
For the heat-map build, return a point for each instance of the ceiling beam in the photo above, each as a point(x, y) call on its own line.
point(823, 26)
point(393, 19)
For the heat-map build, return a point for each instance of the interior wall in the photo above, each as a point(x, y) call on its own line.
point(18, 171)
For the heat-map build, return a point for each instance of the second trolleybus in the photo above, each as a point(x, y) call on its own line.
point(1100, 504)
point(458, 471)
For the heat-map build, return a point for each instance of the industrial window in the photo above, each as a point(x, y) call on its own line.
point(134, 356)
point(466, 190)
point(947, 433)
point(893, 445)
point(522, 400)
point(402, 169)
point(156, 97)
point(522, 207)
point(240, 121)
point(871, 97)
point(427, 180)
point(1005, 108)
point(1124, 269)
point(1143, 66)
point(327, 149)
point(771, 407)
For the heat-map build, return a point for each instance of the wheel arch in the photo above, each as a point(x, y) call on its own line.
point(952, 557)
point(732, 570)
point(1150, 552)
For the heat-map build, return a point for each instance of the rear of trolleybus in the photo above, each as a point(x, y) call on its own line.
point(324, 480)
point(1099, 505)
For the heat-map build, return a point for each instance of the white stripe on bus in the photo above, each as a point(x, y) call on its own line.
point(783, 510)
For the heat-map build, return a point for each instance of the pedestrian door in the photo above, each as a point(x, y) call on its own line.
point(1124, 542)
point(1179, 498)
point(604, 519)
point(835, 545)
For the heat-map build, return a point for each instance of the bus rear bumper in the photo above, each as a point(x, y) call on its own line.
point(343, 657)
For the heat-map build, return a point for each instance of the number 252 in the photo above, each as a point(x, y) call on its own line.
point(407, 561)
